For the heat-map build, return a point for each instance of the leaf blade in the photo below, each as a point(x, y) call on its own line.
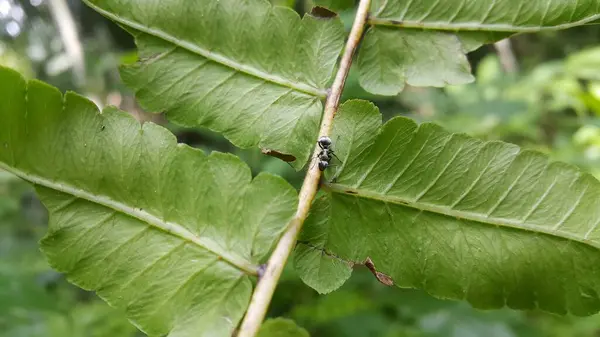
point(158, 229)
point(236, 79)
point(462, 218)
point(281, 327)
point(495, 16)
point(396, 54)
point(336, 5)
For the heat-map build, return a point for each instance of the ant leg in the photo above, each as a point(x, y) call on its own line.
point(315, 160)
point(336, 157)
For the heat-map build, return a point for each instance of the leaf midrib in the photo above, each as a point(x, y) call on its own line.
point(471, 27)
point(217, 58)
point(457, 214)
point(171, 228)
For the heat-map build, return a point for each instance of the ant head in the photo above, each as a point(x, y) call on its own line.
point(323, 165)
point(325, 141)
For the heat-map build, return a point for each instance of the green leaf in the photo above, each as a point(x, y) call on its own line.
point(281, 327)
point(321, 271)
point(389, 58)
point(423, 44)
point(259, 83)
point(158, 229)
point(335, 5)
point(584, 64)
point(488, 15)
point(459, 217)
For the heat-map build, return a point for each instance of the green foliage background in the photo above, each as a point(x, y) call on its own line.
point(551, 104)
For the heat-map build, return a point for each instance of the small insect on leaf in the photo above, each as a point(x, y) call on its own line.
point(326, 154)
point(381, 277)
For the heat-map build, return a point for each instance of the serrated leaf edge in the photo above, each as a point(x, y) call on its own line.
point(474, 27)
point(172, 228)
point(301, 87)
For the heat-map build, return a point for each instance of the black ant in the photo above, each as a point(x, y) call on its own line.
point(326, 153)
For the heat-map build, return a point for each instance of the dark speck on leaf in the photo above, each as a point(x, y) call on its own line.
point(322, 12)
point(261, 270)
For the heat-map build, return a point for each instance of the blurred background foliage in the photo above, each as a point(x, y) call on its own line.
point(540, 91)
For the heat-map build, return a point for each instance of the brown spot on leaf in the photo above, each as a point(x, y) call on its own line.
point(385, 279)
point(288, 158)
point(381, 277)
point(322, 12)
point(351, 192)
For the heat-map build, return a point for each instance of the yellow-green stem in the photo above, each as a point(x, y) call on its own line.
point(268, 282)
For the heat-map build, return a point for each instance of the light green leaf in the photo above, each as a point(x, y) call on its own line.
point(423, 43)
point(281, 327)
point(335, 5)
point(487, 15)
point(389, 58)
point(321, 271)
point(254, 72)
point(461, 218)
point(160, 230)
point(584, 64)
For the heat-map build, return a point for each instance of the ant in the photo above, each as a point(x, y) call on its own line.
point(326, 153)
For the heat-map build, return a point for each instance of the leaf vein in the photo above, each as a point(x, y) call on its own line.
point(174, 229)
point(214, 57)
point(414, 158)
point(437, 178)
point(536, 205)
point(479, 176)
point(471, 216)
point(572, 209)
point(143, 271)
point(508, 190)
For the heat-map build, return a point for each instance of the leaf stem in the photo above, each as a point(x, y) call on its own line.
point(268, 282)
point(474, 26)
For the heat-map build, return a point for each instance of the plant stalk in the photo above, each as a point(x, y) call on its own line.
point(63, 18)
point(507, 56)
point(268, 282)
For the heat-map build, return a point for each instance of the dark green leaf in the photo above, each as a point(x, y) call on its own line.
point(335, 5)
point(458, 217)
point(254, 72)
point(423, 43)
point(158, 229)
point(281, 327)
